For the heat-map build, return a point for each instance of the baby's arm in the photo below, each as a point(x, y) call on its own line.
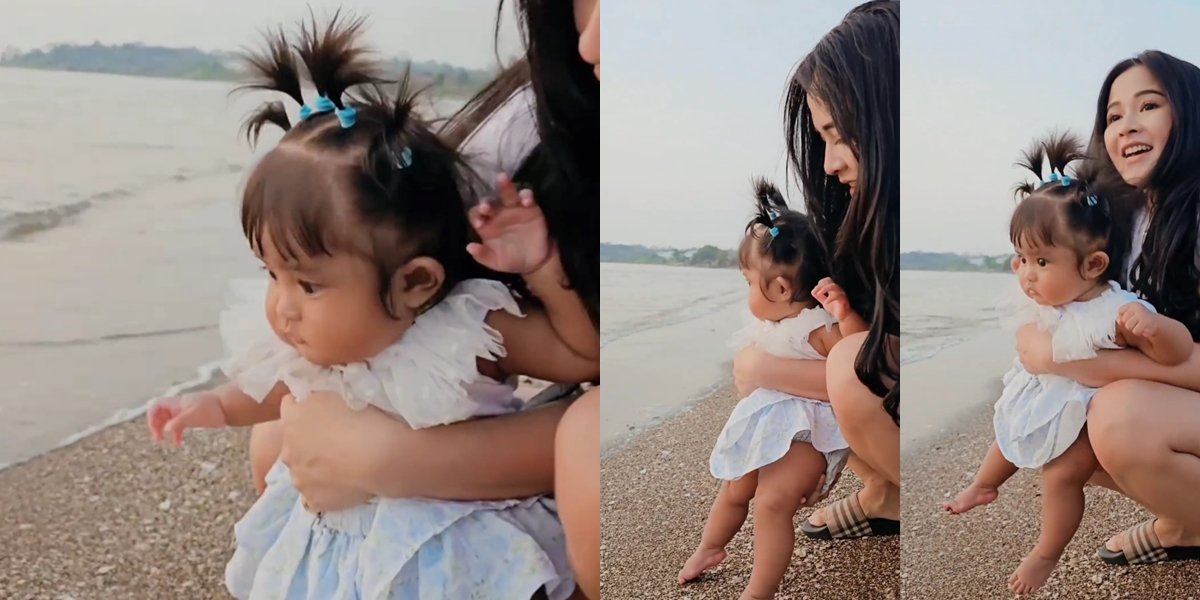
point(1163, 339)
point(514, 239)
point(833, 298)
point(534, 348)
point(564, 309)
point(823, 339)
point(223, 406)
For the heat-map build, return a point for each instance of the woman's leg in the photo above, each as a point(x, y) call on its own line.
point(781, 488)
point(726, 517)
point(1062, 508)
point(1146, 436)
point(577, 488)
point(265, 441)
point(873, 437)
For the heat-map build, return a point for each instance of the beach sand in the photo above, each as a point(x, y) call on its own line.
point(971, 556)
point(655, 495)
point(117, 516)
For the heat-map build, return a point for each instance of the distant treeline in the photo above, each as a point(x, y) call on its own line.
point(947, 261)
point(704, 256)
point(193, 63)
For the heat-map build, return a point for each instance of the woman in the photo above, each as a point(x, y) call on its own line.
point(843, 133)
point(1144, 423)
point(333, 453)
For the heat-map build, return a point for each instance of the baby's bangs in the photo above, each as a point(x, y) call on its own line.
point(289, 196)
point(1035, 224)
point(751, 243)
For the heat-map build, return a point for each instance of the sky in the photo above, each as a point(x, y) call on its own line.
point(459, 32)
point(981, 80)
point(692, 95)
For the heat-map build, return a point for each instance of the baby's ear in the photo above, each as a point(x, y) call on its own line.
point(417, 282)
point(1095, 264)
point(781, 288)
point(1016, 263)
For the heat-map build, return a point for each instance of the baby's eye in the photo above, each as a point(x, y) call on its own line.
point(1041, 262)
point(309, 287)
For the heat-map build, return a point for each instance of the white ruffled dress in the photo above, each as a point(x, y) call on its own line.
point(407, 548)
point(765, 423)
point(1039, 416)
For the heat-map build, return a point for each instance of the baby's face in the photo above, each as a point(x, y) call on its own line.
point(1050, 275)
point(328, 308)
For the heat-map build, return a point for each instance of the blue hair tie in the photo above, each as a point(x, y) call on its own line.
point(774, 231)
point(322, 105)
point(347, 117)
point(405, 158)
point(1091, 200)
point(1066, 181)
point(1053, 176)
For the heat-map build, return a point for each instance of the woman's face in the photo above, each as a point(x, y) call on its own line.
point(1138, 124)
point(840, 160)
point(587, 22)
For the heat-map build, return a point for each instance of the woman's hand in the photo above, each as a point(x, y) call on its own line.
point(512, 231)
point(1035, 350)
point(324, 447)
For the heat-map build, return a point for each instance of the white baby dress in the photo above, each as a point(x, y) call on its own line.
point(1039, 416)
point(409, 548)
point(765, 423)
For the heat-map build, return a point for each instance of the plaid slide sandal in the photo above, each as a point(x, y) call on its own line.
point(846, 520)
point(1142, 547)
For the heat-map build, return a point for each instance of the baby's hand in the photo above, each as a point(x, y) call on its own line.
point(1138, 320)
point(171, 416)
point(833, 298)
point(512, 230)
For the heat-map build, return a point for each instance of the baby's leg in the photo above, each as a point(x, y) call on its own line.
point(724, 520)
point(1062, 508)
point(266, 441)
point(781, 488)
point(994, 471)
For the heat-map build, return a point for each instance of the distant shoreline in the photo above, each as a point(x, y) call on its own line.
point(192, 64)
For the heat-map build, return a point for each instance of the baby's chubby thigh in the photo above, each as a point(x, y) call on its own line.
point(1072, 469)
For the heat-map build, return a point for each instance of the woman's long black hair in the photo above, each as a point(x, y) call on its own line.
point(855, 71)
point(1165, 274)
point(564, 169)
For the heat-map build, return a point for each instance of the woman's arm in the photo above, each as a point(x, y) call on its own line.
point(753, 368)
point(335, 453)
point(1036, 354)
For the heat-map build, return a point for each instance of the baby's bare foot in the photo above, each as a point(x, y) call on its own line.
point(974, 495)
point(702, 560)
point(1031, 574)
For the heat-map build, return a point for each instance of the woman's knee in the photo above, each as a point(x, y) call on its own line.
point(1113, 422)
point(577, 487)
point(851, 400)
